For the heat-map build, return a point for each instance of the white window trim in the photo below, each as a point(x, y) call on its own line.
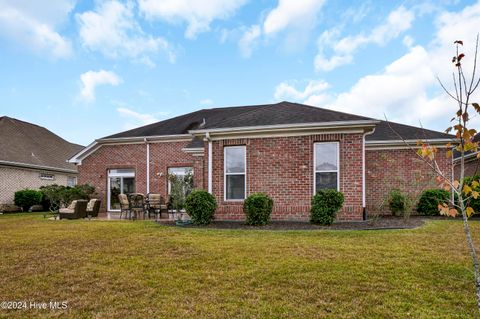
point(47, 176)
point(327, 171)
point(121, 175)
point(74, 178)
point(225, 174)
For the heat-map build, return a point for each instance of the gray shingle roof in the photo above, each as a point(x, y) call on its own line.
point(270, 114)
point(385, 131)
point(26, 143)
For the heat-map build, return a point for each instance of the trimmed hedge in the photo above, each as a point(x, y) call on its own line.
point(258, 208)
point(430, 199)
point(26, 198)
point(398, 203)
point(200, 205)
point(325, 205)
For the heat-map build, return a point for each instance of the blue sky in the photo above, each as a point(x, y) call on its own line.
point(87, 69)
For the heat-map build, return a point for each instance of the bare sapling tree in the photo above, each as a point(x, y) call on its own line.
point(464, 144)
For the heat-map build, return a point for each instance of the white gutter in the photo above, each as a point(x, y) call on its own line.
point(148, 165)
point(260, 128)
point(207, 136)
point(41, 167)
point(142, 138)
point(409, 142)
point(364, 198)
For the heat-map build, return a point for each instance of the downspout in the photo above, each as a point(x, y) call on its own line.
point(207, 136)
point(364, 196)
point(148, 164)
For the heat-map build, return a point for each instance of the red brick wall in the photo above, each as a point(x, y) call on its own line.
point(282, 167)
point(472, 168)
point(162, 155)
point(401, 169)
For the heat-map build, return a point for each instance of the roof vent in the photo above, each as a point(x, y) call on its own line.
point(203, 123)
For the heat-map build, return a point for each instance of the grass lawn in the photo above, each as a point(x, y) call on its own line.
point(122, 269)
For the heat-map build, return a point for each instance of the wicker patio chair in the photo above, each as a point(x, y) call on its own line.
point(137, 205)
point(124, 205)
point(77, 209)
point(155, 205)
point(93, 207)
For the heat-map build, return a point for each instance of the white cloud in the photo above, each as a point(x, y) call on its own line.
point(198, 14)
point(298, 14)
point(398, 21)
point(294, 17)
point(249, 40)
point(112, 29)
point(33, 24)
point(91, 79)
point(406, 90)
point(139, 119)
point(285, 91)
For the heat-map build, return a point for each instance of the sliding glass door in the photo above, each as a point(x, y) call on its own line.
point(120, 181)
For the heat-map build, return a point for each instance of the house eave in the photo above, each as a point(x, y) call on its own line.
point(39, 167)
point(405, 144)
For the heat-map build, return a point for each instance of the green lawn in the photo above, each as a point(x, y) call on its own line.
point(122, 269)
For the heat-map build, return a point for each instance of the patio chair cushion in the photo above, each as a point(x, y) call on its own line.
point(90, 204)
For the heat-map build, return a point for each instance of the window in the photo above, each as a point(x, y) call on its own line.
point(326, 170)
point(47, 177)
point(184, 173)
point(235, 171)
point(120, 181)
point(71, 181)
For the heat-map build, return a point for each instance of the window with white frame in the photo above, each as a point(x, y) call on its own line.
point(235, 172)
point(71, 181)
point(47, 177)
point(326, 170)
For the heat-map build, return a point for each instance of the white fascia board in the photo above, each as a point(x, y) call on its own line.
point(39, 167)
point(467, 157)
point(77, 158)
point(406, 143)
point(287, 127)
point(152, 138)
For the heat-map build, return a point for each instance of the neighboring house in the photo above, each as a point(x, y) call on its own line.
point(32, 156)
point(286, 150)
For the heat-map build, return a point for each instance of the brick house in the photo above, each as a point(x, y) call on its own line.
point(30, 157)
point(286, 150)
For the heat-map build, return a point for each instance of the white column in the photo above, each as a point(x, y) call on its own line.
point(148, 166)
point(210, 166)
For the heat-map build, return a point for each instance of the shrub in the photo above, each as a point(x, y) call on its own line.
point(258, 208)
point(399, 203)
point(325, 205)
point(27, 198)
point(472, 202)
point(430, 199)
point(58, 195)
point(200, 205)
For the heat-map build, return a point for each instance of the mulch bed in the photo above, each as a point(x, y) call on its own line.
point(379, 223)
